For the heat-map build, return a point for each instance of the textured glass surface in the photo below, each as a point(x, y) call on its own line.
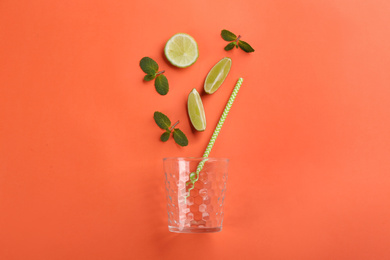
point(202, 210)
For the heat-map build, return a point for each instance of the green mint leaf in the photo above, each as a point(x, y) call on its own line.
point(165, 136)
point(245, 46)
point(229, 46)
point(161, 84)
point(148, 65)
point(228, 36)
point(236, 46)
point(180, 137)
point(162, 120)
point(149, 77)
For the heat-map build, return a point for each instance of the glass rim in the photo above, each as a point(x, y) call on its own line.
point(196, 158)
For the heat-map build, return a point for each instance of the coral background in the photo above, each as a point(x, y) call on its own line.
point(308, 136)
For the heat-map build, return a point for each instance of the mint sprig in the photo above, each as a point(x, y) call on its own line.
point(150, 67)
point(164, 123)
point(235, 41)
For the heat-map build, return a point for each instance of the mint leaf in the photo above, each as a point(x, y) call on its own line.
point(228, 36)
point(148, 65)
point(245, 46)
point(162, 120)
point(149, 77)
point(165, 136)
point(161, 84)
point(180, 137)
point(230, 46)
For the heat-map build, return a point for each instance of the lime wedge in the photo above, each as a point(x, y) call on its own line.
point(217, 75)
point(181, 50)
point(196, 111)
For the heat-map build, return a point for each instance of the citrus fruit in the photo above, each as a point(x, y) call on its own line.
point(196, 111)
point(181, 50)
point(217, 75)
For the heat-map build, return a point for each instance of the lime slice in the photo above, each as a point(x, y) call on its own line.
point(181, 50)
point(196, 111)
point(217, 75)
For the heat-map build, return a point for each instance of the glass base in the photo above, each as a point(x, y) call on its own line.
point(194, 230)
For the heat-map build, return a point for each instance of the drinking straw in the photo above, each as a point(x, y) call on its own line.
point(194, 179)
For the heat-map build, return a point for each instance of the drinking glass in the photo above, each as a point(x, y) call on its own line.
point(195, 206)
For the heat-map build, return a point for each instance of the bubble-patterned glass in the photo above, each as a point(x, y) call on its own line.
point(195, 206)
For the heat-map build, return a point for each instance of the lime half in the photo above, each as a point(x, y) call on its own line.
point(196, 111)
point(181, 50)
point(217, 75)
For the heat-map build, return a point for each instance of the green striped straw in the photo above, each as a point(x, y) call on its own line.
point(194, 176)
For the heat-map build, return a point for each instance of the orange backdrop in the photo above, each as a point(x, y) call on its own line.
point(308, 136)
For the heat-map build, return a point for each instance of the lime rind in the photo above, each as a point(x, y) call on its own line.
point(196, 111)
point(181, 50)
point(217, 75)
